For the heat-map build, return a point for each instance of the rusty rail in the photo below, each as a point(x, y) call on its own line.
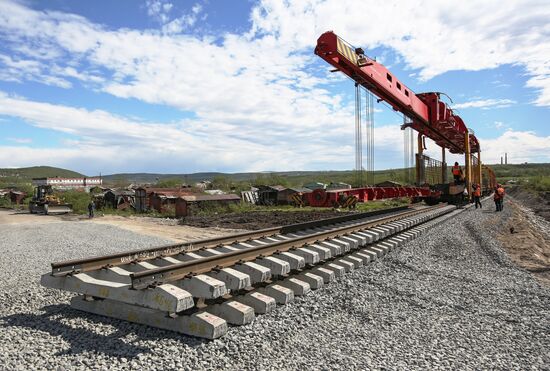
point(89, 264)
point(174, 272)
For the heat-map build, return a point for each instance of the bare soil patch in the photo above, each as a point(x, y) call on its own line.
point(9, 216)
point(539, 202)
point(164, 228)
point(529, 244)
point(255, 220)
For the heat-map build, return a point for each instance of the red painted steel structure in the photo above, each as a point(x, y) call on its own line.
point(430, 116)
point(337, 197)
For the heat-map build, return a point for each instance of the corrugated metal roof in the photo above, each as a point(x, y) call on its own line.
point(194, 198)
point(122, 192)
point(303, 190)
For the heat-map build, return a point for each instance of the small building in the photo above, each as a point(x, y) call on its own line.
point(15, 197)
point(185, 205)
point(144, 197)
point(284, 196)
point(116, 197)
point(163, 202)
point(98, 189)
point(268, 195)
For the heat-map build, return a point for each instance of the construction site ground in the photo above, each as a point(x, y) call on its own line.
point(259, 219)
point(457, 297)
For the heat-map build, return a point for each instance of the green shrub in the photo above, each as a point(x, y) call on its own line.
point(79, 200)
point(5, 202)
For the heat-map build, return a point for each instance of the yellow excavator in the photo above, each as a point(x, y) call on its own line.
point(45, 202)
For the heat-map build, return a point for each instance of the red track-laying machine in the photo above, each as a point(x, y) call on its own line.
point(428, 115)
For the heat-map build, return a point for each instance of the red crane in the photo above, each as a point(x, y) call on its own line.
point(429, 115)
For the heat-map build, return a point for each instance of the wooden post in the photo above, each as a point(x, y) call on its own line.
point(467, 164)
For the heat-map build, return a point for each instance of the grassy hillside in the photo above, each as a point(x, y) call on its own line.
point(533, 174)
point(37, 172)
point(506, 172)
point(290, 178)
point(522, 172)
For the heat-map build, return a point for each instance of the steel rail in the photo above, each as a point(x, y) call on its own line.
point(174, 272)
point(93, 263)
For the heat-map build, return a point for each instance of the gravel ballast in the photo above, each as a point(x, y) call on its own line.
point(450, 299)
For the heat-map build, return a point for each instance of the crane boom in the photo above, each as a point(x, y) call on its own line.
point(430, 116)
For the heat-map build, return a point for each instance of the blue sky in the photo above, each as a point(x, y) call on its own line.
point(189, 86)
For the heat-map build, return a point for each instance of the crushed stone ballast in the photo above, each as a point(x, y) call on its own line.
point(200, 287)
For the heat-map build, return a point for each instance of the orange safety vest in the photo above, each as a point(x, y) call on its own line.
point(456, 170)
point(477, 192)
point(500, 192)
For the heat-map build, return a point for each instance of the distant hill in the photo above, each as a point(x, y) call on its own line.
point(298, 178)
point(24, 174)
point(196, 177)
point(292, 178)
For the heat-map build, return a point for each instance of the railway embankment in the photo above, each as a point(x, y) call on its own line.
point(452, 298)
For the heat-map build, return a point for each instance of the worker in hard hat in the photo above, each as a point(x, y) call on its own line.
point(500, 191)
point(496, 198)
point(457, 173)
point(477, 195)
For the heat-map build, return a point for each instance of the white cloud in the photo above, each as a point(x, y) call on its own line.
point(252, 94)
point(20, 140)
point(521, 146)
point(139, 146)
point(160, 11)
point(434, 36)
point(486, 103)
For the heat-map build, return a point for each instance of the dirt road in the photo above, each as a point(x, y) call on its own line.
point(8, 216)
point(164, 228)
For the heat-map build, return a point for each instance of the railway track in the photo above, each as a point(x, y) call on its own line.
point(200, 287)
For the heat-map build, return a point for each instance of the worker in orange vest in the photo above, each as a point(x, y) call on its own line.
point(477, 195)
point(457, 173)
point(500, 192)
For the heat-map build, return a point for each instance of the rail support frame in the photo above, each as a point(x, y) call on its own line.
point(444, 178)
point(479, 171)
point(467, 164)
point(420, 174)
